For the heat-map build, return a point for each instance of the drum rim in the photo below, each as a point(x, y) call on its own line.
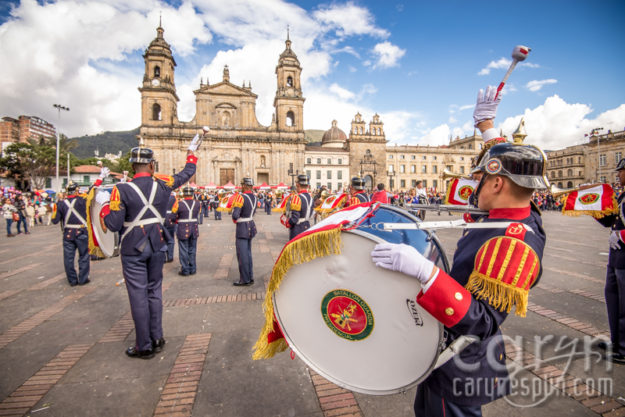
point(96, 231)
point(341, 384)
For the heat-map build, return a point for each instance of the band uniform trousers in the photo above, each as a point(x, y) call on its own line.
point(430, 404)
point(244, 256)
point(171, 241)
point(144, 275)
point(187, 249)
point(80, 243)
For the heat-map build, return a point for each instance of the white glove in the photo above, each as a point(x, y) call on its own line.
point(402, 258)
point(195, 143)
point(486, 106)
point(104, 172)
point(615, 240)
point(103, 198)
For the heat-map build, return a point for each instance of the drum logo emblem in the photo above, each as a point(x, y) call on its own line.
point(347, 315)
point(465, 192)
point(589, 198)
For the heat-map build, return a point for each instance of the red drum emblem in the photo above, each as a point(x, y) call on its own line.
point(347, 315)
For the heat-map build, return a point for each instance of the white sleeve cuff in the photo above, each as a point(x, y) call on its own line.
point(490, 134)
point(424, 287)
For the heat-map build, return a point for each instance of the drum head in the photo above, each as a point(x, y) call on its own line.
point(356, 324)
point(107, 241)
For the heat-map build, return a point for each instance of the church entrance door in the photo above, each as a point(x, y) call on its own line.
point(225, 175)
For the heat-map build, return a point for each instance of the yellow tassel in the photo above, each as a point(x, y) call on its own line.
point(448, 193)
point(500, 295)
point(93, 249)
point(300, 251)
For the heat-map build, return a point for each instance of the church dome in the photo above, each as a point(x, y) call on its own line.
point(333, 136)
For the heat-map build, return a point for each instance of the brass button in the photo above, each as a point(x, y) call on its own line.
point(496, 379)
point(449, 311)
point(501, 356)
point(458, 296)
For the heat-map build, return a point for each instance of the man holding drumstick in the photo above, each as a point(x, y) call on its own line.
point(493, 270)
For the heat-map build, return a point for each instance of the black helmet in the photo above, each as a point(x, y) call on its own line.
point(247, 181)
point(302, 179)
point(620, 165)
point(187, 191)
point(71, 187)
point(141, 155)
point(523, 164)
point(358, 183)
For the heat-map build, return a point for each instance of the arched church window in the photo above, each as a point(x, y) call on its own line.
point(362, 131)
point(289, 81)
point(157, 71)
point(290, 118)
point(569, 173)
point(379, 131)
point(569, 184)
point(156, 111)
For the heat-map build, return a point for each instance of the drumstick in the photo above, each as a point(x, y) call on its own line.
point(519, 53)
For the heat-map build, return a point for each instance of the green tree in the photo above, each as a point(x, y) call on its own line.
point(32, 161)
point(124, 165)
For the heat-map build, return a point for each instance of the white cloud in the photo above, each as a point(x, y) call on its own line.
point(341, 92)
point(348, 20)
point(387, 54)
point(536, 85)
point(501, 63)
point(557, 124)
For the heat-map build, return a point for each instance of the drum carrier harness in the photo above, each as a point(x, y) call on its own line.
point(189, 220)
point(248, 219)
point(309, 210)
point(147, 205)
point(73, 211)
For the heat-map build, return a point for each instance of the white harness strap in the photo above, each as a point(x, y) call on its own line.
point(73, 211)
point(190, 219)
point(308, 210)
point(147, 205)
point(253, 203)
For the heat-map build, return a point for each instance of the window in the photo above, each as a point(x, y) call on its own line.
point(413, 169)
point(156, 111)
point(402, 169)
point(424, 169)
point(434, 158)
point(86, 179)
point(413, 183)
point(435, 183)
point(329, 173)
point(262, 161)
point(462, 170)
point(157, 72)
point(569, 172)
point(402, 156)
point(560, 174)
point(391, 168)
point(48, 182)
point(424, 157)
point(390, 156)
point(318, 185)
point(290, 118)
point(329, 186)
point(340, 161)
point(308, 173)
point(318, 175)
point(462, 158)
point(434, 169)
point(289, 81)
point(329, 161)
point(603, 179)
point(309, 160)
point(569, 184)
point(448, 168)
point(580, 174)
point(413, 157)
point(617, 157)
point(319, 161)
point(402, 183)
point(579, 160)
point(602, 160)
point(339, 175)
point(425, 183)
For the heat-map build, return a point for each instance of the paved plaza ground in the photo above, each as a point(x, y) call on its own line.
point(62, 348)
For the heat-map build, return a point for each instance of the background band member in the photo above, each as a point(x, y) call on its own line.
point(170, 226)
point(615, 277)
point(357, 192)
point(73, 213)
point(301, 208)
point(137, 210)
point(493, 270)
point(243, 209)
point(188, 231)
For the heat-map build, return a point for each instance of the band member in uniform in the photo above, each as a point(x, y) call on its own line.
point(615, 277)
point(357, 192)
point(243, 209)
point(188, 231)
point(301, 208)
point(492, 271)
point(170, 226)
point(73, 213)
point(204, 202)
point(137, 210)
point(268, 203)
point(215, 203)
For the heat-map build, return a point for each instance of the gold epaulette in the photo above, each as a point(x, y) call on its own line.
point(238, 201)
point(115, 199)
point(167, 179)
point(296, 203)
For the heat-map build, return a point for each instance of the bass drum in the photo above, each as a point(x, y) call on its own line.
point(107, 241)
point(358, 325)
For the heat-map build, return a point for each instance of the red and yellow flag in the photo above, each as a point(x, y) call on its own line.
point(598, 201)
point(459, 191)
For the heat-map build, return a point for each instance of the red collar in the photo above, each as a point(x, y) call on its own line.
point(71, 195)
point(142, 174)
point(510, 213)
point(188, 198)
point(303, 191)
point(359, 192)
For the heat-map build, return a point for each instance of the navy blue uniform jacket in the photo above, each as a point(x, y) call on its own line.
point(244, 208)
point(187, 229)
point(617, 256)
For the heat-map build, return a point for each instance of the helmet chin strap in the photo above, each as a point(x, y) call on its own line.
point(478, 189)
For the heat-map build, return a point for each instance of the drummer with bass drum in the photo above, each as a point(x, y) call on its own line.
point(72, 211)
point(493, 271)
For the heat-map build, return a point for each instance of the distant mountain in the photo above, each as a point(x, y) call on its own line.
point(106, 142)
point(113, 142)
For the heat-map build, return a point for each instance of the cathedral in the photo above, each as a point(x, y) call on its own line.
point(239, 146)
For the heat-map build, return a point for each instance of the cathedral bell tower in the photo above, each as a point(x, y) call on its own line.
point(159, 101)
point(289, 102)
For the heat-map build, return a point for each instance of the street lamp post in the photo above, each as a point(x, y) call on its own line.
point(390, 180)
point(365, 162)
point(595, 131)
point(58, 139)
point(292, 175)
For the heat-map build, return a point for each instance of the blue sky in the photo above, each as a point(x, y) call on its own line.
point(418, 64)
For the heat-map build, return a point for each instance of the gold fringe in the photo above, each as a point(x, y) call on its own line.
point(93, 249)
point(302, 250)
point(448, 193)
point(597, 214)
point(500, 295)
